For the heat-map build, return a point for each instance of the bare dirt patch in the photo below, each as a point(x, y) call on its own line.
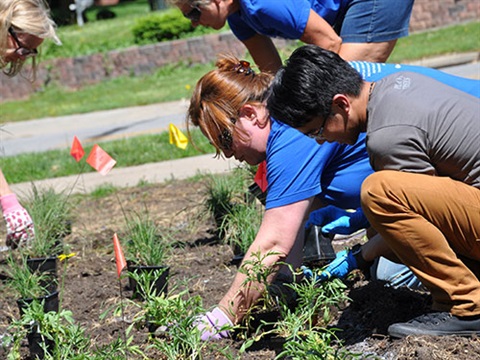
point(91, 282)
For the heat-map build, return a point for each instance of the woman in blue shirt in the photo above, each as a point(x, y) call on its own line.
point(355, 29)
point(228, 105)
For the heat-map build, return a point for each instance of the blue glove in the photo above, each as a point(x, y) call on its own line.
point(338, 268)
point(337, 221)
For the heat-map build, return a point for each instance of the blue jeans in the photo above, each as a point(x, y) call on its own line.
point(368, 21)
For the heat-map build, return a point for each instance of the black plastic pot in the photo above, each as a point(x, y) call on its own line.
point(237, 259)
point(318, 248)
point(160, 285)
point(254, 192)
point(48, 266)
point(50, 303)
point(35, 342)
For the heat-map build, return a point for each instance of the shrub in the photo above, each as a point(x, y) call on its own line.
point(166, 25)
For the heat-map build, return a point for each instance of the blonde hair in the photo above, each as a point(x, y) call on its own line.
point(24, 16)
point(219, 95)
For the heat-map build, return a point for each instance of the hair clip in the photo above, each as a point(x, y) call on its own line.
point(243, 67)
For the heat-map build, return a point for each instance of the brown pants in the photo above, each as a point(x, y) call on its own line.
point(433, 225)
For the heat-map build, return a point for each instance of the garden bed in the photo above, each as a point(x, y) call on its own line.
point(91, 283)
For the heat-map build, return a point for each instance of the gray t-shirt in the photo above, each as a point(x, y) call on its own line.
point(417, 124)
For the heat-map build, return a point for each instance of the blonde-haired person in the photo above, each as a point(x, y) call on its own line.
point(355, 29)
point(24, 25)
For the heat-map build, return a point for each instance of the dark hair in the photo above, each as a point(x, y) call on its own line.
point(305, 86)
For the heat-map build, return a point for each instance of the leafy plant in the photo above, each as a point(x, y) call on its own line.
point(59, 337)
point(171, 323)
point(147, 282)
point(222, 194)
point(148, 243)
point(241, 225)
point(51, 214)
point(162, 26)
point(25, 283)
point(257, 279)
point(304, 328)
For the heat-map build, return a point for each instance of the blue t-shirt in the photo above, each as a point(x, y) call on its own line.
point(281, 18)
point(298, 168)
point(377, 71)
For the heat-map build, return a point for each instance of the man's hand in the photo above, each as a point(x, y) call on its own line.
point(214, 325)
point(337, 221)
point(343, 264)
point(20, 229)
point(338, 268)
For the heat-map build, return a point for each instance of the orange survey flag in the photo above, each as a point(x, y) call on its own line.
point(261, 176)
point(119, 258)
point(77, 150)
point(100, 160)
point(177, 137)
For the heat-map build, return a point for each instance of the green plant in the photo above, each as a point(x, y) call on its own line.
point(304, 328)
point(162, 26)
point(148, 243)
point(147, 282)
point(51, 214)
point(60, 338)
point(171, 321)
point(241, 225)
point(222, 193)
point(258, 276)
point(103, 191)
point(25, 283)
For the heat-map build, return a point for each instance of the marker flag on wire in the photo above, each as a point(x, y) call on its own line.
point(261, 176)
point(119, 257)
point(100, 160)
point(77, 150)
point(177, 137)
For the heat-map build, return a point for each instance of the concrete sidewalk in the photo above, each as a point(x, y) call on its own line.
point(131, 176)
point(111, 124)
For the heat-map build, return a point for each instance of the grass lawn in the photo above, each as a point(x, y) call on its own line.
point(175, 81)
point(169, 83)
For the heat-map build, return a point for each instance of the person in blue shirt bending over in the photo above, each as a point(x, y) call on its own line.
point(355, 29)
point(229, 106)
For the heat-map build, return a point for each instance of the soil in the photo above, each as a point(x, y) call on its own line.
point(91, 282)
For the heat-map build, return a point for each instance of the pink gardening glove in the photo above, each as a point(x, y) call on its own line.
point(212, 323)
point(20, 230)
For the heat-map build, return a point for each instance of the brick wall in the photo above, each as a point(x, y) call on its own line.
point(428, 14)
point(77, 72)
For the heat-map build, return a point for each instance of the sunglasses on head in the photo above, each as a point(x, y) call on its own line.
point(194, 14)
point(21, 49)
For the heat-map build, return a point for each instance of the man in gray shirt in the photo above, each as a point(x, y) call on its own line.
point(424, 198)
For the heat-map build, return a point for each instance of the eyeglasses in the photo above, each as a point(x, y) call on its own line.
point(194, 14)
point(317, 134)
point(21, 49)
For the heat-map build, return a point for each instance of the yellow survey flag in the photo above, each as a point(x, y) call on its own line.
point(177, 137)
